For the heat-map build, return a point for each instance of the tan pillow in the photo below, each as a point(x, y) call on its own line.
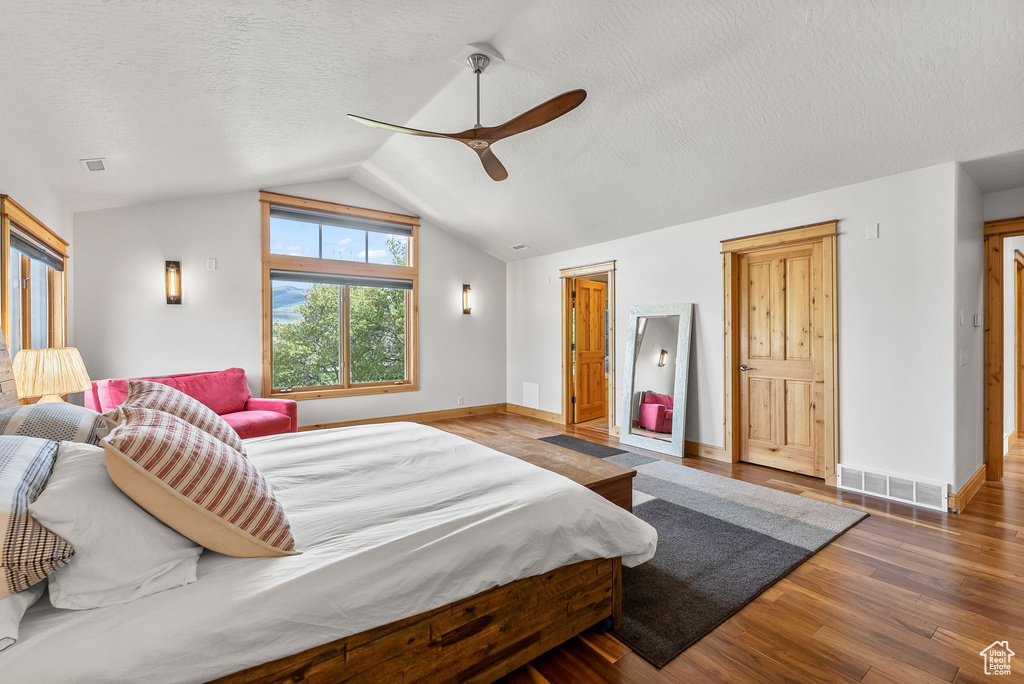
point(153, 395)
point(196, 485)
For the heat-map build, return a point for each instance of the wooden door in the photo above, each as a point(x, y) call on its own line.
point(589, 353)
point(781, 364)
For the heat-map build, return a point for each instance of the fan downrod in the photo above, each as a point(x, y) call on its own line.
point(478, 63)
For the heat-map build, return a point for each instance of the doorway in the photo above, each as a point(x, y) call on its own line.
point(996, 235)
point(588, 334)
point(781, 350)
point(1018, 346)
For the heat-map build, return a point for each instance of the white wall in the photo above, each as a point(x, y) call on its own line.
point(968, 275)
point(896, 300)
point(128, 330)
point(20, 181)
point(1004, 204)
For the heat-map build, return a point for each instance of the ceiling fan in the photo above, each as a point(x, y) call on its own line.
point(480, 138)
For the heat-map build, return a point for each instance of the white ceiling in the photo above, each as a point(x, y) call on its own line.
point(695, 108)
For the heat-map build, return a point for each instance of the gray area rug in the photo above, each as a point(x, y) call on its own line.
point(582, 446)
point(721, 542)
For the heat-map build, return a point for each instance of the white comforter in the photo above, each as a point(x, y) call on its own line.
point(392, 520)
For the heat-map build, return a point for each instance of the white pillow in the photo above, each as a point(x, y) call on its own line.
point(122, 552)
point(13, 608)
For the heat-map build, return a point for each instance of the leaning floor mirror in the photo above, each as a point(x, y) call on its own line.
point(657, 364)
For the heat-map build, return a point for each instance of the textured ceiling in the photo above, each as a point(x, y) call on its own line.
point(187, 97)
point(695, 108)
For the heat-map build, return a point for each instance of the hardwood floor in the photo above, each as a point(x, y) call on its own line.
point(908, 595)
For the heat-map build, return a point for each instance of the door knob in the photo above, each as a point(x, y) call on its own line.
point(745, 367)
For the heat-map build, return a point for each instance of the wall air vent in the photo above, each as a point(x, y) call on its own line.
point(520, 247)
point(851, 479)
point(98, 164)
point(894, 487)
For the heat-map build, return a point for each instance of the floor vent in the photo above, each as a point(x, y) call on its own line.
point(924, 493)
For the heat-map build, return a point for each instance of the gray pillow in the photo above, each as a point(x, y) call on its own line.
point(56, 421)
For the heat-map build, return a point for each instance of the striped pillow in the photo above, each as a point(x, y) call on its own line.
point(196, 485)
point(28, 551)
point(153, 395)
point(57, 421)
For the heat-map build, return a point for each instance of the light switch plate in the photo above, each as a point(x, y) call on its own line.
point(211, 264)
point(963, 357)
point(871, 231)
point(979, 320)
point(961, 316)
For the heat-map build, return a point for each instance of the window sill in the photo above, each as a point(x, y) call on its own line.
point(328, 393)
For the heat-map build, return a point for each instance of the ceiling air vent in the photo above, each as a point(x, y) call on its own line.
point(520, 247)
point(98, 164)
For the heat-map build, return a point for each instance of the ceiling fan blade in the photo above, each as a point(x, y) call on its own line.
point(398, 129)
point(495, 169)
point(538, 116)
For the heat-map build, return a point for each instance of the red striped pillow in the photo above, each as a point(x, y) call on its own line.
point(196, 485)
point(154, 395)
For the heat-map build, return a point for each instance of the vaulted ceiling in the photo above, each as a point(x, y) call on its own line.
point(695, 107)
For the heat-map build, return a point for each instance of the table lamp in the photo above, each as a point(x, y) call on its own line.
point(50, 373)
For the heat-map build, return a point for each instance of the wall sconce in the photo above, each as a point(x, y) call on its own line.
point(663, 358)
point(466, 292)
point(172, 278)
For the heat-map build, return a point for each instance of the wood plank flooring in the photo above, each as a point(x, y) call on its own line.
point(908, 595)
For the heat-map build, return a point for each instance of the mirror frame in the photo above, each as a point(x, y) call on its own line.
point(682, 363)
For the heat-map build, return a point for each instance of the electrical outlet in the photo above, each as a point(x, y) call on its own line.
point(211, 264)
point(871, 231)
point(460, 401)
point(963, 357)
point(961, 316)
point(979, 320)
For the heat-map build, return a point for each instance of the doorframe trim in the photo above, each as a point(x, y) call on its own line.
point(1018, 334)
point(994, 233)
point(567, 275)
point(824, 233)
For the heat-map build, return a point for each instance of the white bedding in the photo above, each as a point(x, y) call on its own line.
point(393, 520)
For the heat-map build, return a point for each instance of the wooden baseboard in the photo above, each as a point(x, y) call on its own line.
point(958, 501)
point(425, 416)
point(695, 449)
point(1013, 438)
point(534, 413)
point(704, 451)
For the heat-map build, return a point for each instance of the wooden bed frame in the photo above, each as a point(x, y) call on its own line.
point(478, 639)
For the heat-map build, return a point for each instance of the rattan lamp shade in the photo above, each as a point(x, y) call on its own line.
point(49, 373)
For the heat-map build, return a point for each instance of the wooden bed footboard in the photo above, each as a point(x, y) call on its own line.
point(477, 639)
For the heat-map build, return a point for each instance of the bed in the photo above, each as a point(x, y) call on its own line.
point(425, 556)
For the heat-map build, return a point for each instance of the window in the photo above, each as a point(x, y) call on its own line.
point(339, 298)
point(33, 290)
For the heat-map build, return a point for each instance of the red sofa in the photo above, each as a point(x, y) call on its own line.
point(226, 392)
point(656, 412)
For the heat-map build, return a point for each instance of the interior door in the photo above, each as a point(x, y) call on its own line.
point(781, 371)
point(589, 353)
